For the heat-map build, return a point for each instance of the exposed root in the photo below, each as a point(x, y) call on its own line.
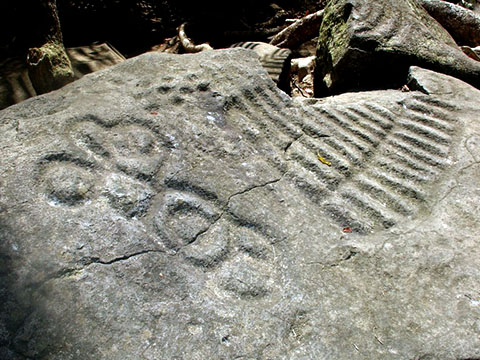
point(299, 32)
point(188, 44)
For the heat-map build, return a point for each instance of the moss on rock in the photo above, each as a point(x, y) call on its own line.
point(365, 45)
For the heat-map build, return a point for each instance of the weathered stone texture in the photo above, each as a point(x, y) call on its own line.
point(463, 24)
point(371, 44)
point(273, 58)
point(174, 207)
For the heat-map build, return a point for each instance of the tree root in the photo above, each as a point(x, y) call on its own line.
point(299, 32)
point(188, 44)
point(49, 67)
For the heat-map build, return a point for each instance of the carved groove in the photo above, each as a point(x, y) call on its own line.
point(382, 159)
point(283, 121)
point(258, 102)
point(273, 61)
point(379, 160)
point(342, 134)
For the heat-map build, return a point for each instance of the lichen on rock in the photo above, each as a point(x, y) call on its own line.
point(49, 67)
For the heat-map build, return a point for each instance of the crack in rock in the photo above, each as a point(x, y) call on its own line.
point(292, 142)
point(253, 188)
point(227, 204)
point(204, 231)
point(96, 260)
point(66, 272)
point(83, 264)
point(349, 256)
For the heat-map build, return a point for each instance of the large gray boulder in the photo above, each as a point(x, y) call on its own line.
point(181, 207)
point(371, 44)
point(463, 24)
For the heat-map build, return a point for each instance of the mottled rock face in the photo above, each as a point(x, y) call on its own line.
point(371, 44)
point(181, 207)
point(274, 59)
point(460, 22)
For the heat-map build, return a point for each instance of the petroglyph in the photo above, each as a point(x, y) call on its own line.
point(67, 184)
point(235, 221)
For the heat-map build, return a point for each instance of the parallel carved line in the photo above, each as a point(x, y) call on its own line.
point(416, 154)
point(288, 114)
point(371, 206)
point(344, 135)
point(323, 174)
point(336, 117)
point(312, 124)
point(410, 163)
point(348, 217)
point(436, 103)
point(376, 114)
point(306, 181)
point(428, 132)
point(340, 164)
point(408, 152)
point(257, 119)
point(440, 116)
point(379, 191)
point(259, 101)
point(369, 126)
point(430, 121)
point(352, 154)
point(380, 111)
point(430, 147)
point(402, 170)
point(281, 121)
point(398, 185)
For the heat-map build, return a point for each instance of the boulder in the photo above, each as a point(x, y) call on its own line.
point(463, 24)
point(182, 207)
point(366, 45)
point(93, 57)
point(273, 58)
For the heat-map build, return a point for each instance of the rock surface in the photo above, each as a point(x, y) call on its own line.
point(365, 44)
point(175, 207)
point(463, 24)
point(273, 58)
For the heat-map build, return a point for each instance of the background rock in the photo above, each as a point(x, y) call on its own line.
point(175, 207)
point(274, 59)
point(365, 45)
point(15, 84)
point(461, 23)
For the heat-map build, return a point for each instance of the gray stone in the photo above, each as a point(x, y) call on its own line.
point(274, 59)
point(175, 207)
point(370, 45)
point(463, 24)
